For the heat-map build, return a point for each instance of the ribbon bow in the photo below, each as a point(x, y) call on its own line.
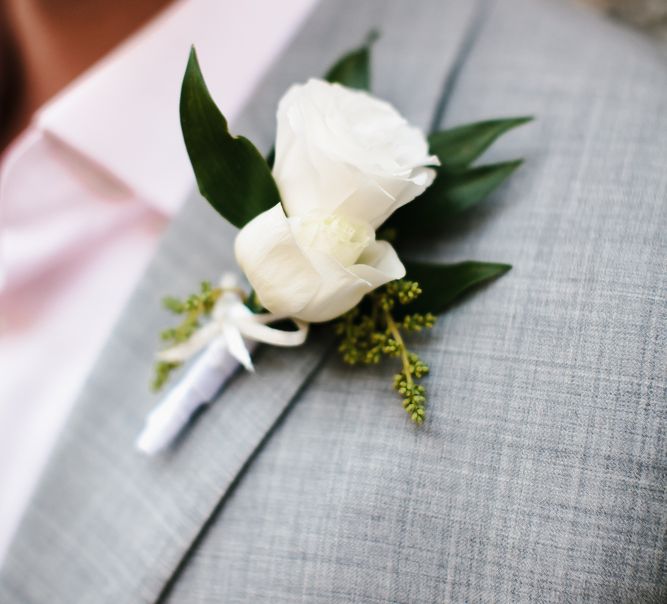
point(226, 341)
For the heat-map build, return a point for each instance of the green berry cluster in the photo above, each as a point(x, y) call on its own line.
point(371, 331)
point(163, 371)
point(193, 308)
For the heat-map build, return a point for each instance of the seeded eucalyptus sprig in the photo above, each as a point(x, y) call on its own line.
point(368, 335)
point(192, 309)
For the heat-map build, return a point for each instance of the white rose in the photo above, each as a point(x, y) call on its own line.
point(345, 161)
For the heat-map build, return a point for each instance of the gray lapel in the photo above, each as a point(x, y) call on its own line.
point(108, 525)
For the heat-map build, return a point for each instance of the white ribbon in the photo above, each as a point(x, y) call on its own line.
point(226, 341)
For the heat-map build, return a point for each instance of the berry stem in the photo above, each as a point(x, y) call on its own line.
point(396, 334)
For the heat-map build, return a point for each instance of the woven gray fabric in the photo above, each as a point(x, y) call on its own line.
point(540, 475)
point(108, 525)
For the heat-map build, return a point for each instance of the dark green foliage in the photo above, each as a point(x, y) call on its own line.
point(353, 69)
point(231, 173)
point(442, 284)
point(458, 147)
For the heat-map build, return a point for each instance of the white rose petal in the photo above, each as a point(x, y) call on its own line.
point(281, 275)
point(345, 161)
point(338, 146)
point(342, 288)
point(334, 235)
point(301, 275)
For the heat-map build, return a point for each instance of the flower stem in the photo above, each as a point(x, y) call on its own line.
point(396, 334)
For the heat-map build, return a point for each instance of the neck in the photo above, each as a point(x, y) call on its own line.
point(56, 40)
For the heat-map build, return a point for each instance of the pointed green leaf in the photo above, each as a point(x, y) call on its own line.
point(459, 147)
point(457, 192)
point(449, 195)
point(442, 284)
point(271, 157)
point(231, 173)
point(353, 70)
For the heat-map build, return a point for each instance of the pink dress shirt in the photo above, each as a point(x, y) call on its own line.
point(84, 194)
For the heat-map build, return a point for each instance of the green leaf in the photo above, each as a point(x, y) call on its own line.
point(449, 195)
point(457, 192)
point(353, 70)
point(231, 173)
point(271, 157)
point(174, 305)
point(442, 284)
point(459, 147)
point(457, 186)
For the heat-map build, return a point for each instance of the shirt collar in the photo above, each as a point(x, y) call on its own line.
point(122, 114)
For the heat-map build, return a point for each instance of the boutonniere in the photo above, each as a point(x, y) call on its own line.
point(322, 219)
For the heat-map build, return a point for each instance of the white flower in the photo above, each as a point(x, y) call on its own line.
point(343, 150)
point(345, 161)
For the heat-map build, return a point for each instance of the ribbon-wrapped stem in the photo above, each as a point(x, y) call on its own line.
point(221, 345)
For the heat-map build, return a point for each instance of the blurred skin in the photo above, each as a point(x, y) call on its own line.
point(45, 44)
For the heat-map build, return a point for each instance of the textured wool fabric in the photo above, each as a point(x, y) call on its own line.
point(540, 474)
point(110, 525)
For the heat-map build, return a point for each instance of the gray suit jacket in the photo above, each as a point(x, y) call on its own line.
point(540, 475)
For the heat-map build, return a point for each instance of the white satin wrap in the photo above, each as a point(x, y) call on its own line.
point(227, 341)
